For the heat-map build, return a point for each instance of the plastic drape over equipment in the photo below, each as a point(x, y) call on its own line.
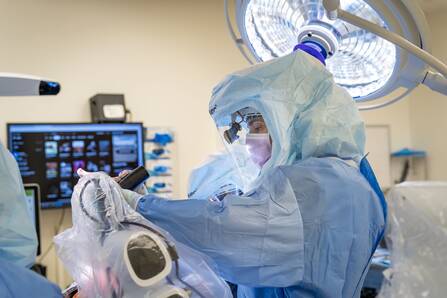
point(18, 240)
point(418, 232)
point(112, 251)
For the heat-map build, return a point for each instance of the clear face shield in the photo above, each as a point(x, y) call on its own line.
point(247, 139)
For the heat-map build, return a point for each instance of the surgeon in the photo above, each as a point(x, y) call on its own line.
point(310, 212)
point(18, 240)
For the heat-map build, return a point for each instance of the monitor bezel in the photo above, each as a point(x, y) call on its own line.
point(36, 189)
point(9, 124)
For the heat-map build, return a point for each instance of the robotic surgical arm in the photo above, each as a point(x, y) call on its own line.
point(133, 257)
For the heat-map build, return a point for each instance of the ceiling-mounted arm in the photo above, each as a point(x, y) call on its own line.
point(436, 82)
point(331, 7)
point(22, 85)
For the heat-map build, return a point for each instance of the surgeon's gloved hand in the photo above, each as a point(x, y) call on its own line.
point(132, 198)
point(82, 172)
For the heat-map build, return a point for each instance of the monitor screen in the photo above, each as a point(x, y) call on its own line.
point(32, 195)
point(50, 154)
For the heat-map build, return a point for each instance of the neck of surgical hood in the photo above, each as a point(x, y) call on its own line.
point(313, 49)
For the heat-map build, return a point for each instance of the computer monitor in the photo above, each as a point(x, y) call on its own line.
point(32, 195)
point(50, 154)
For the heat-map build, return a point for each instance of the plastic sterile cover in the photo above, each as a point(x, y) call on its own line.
point(418, 233)
point(112, 251)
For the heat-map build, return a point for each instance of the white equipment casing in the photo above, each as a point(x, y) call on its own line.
point(418, 232)
point(25, 85)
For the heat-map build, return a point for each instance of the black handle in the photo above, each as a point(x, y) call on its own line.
point(134, 179)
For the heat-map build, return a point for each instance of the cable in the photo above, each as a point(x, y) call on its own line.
point(59, 225)
point(81, 203)
point(405, 171)
point(129, 112)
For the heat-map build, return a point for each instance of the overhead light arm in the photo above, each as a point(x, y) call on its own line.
point(436, 82)
point(331, 7)
point(24, 85)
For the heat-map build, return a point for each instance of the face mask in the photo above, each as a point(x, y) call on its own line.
point(260, 148)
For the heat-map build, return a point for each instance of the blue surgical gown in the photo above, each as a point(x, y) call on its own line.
point(17, 281)
point(308, 230)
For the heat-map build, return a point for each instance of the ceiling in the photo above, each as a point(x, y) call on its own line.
point(433, 5)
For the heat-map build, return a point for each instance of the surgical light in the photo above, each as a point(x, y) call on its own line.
point(373, 48)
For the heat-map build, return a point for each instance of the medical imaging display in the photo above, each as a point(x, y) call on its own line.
point(50, 154)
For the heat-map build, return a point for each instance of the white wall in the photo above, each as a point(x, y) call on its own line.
point(429, 109)
point(165, 55)
point(397, 116)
